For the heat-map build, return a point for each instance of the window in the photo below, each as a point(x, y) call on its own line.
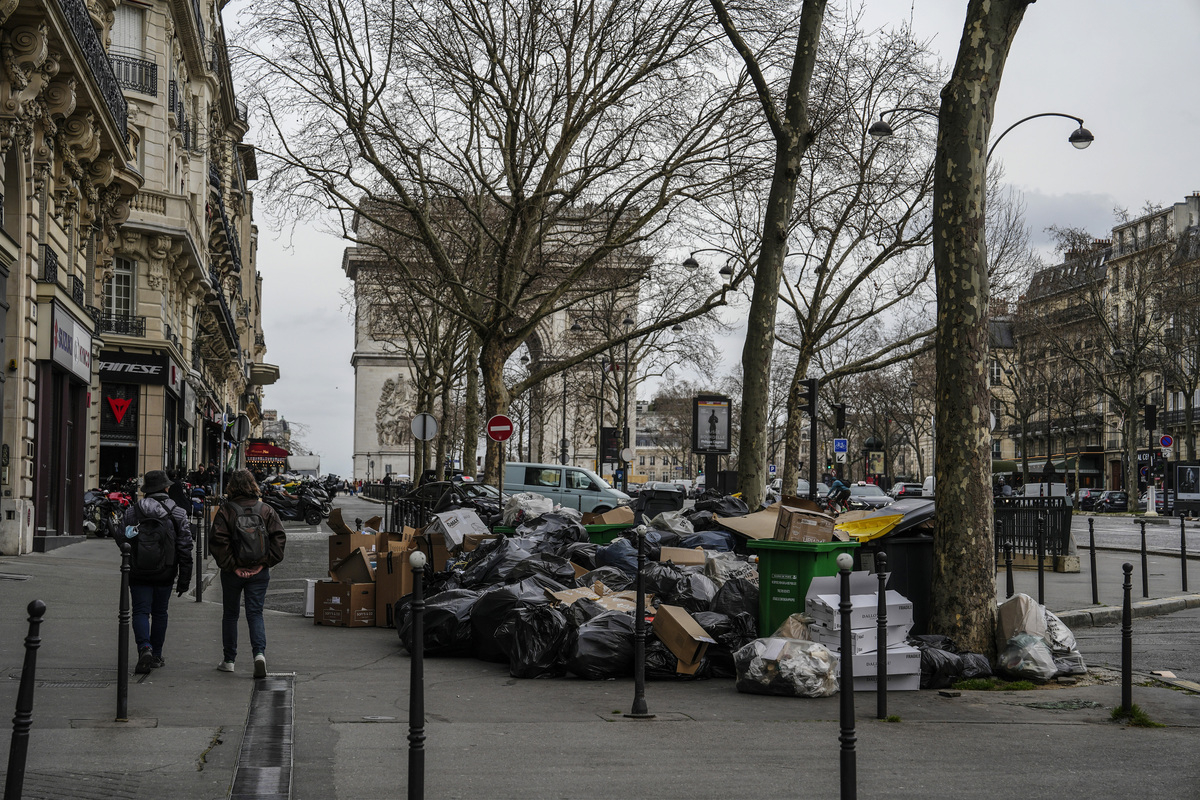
point(995, 448)
point(580, 480)
point(652, 461)
point(651, 476)
point(641, 461)
point(128, 31)
point(118, 290)
point(994, 369)
point(537, 476)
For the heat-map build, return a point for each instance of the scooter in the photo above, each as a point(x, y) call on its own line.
point(303, 508)
point(101, 516)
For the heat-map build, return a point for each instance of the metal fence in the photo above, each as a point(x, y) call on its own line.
point(1016, 523)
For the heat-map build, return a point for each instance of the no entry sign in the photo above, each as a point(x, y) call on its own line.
point(499, 428)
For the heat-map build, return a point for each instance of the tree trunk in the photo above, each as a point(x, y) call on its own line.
point(964, 575)
point(495, 401)
point(1188, 426)
point(447, 412)
point(471, 407)
point(1131, 474)
point(793, 430)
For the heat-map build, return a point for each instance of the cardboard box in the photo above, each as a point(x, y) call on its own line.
point(683, 636)
point(863, 640)
point(347, 605)
point(393, 581)
point(683, 556)
point(910, 682)
point(821, 602)
point(337, 524)
point(310, 594)
point(801, 525)
point(759, 525)
point(579, 571)
point(358, 567)
point(901, 660)
point(621, 515)
point(342, 545)
point(395, 541)
point(452, 527)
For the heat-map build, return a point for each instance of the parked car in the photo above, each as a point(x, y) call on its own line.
point(1112, 500)
point(801, 487)
point(869, 494)
point(1087, 499)
point(905, 490)
point(1164, 501)
point(573, 487)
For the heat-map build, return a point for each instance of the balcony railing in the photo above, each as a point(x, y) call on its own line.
point(49, 265)
point(77, 289)
point(123, 324)
point(199, 23)
point(97, 60)
point(136, 73)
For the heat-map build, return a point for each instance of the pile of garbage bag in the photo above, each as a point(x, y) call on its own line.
point(1034, 643)
point(943, 664)
point(788, 667)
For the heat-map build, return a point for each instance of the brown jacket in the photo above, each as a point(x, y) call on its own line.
point(221, 543)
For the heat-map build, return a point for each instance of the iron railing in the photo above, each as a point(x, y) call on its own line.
point(49, 265)
point(1016, 521)
point(77, 290)
point(80, 23)
point(138, 74)
point(123, 324)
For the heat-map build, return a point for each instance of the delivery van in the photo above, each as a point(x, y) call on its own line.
point(572, 487)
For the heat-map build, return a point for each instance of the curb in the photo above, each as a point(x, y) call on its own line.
point(1111, 615)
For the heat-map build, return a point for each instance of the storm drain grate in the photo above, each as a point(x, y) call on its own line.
point(264, 765)
point(73, 684)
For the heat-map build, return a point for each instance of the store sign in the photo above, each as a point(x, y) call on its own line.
point(135, 368)
point(71, 345)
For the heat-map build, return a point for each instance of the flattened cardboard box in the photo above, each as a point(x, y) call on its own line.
point(343, 544)
point(358, 567)
point(621, 515)
point(801, 525)
point(346, 605)
point(683, 636)
point(682, 556)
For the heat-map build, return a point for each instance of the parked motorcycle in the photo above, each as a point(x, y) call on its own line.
point(305, 507)
point(102, 517)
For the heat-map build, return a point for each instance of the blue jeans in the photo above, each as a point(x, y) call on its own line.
point(254, 589)
point(150, 603)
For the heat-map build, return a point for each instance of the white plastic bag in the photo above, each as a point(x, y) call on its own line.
point(524, 506)
point(673, 521)
point(1028, 656)
point(786, 667)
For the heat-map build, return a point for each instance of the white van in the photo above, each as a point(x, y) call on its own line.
point(927, 487)
point(572, 487)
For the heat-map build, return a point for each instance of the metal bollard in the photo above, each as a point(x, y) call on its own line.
point(1008, 575)
point(416, 682)
point(1041, 556)
point(881, 673)
point(1127, 641)
point(1092, 546)
point(1182, 554)
point(123, 623)
point(1145, 566)
point(849, 778)
point(198, 533)
point(18, 747)
point(640, 710)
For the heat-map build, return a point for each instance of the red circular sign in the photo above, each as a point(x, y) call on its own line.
point(499, 428)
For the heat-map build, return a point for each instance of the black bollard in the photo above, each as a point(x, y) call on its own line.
point(1008, 576)
point(881, 640)
point(1092, 548)
point(198, 532)
point(640, 710)
point(358, 524)
point(1182, 554)
point(18, 747)
point(1145, 566)
point(1127, 641)
point(123, 623)
point(416, 682)
point(849, 778)
point(1041, 556)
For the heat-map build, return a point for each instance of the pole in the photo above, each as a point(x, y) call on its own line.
point(199, 569)
point(640, 710)
point(881, 640)
point(564, 421)
point(123, 621)
point(625, 423)
point(1145, 566)
point(847, 737)
point(18, 746)
point(1041, 557)
point(1008, 573)
point(1182, 553)
point(416, 683)
point(1127, 641)
point(813, 387)
point(1092, 547)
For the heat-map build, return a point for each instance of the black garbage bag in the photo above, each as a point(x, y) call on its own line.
point(534, 638)
point(447, 623)
point(553, 531)
point(709, 540)
point(732, 634)
point(492, 563)
point(975, 665)
point(940, 669)
point(726, 506)
point(656, 540)
point(548, 565)
point(933, 640)
point(581, 553)
point(611, 577)
point(662, 665)
point(686, 587)
point(737, 596)
point(662, 579)
point(603, 647)
point(701, 520)
point(494, 606)
point(620, 554)
point(582, 611)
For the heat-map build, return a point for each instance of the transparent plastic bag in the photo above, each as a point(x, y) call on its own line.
point(787, 667)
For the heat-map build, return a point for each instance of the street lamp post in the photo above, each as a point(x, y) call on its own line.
point(627, 323)
point(564, 418)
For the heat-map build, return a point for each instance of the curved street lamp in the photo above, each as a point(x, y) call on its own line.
point(1080, 138)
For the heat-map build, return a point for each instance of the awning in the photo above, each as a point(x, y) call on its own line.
point(1068, 465)
point(266, 450)
point(999, 466)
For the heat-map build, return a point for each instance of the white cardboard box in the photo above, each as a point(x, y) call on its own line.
point(824, 596)
point(863, 640)
point(310, 596)
point(895, 683)
point(902, 660)
point(454, 526)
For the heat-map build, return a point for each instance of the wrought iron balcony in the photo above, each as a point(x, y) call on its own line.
point(80, 23)
point(123, 324)
point(77, 289)
point(136, 73)
point(49, 265)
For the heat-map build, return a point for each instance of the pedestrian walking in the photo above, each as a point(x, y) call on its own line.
point(160, 541)
point(247, 540)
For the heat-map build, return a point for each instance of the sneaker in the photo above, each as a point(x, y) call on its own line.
point(157, 661)
point(145, 657)
point(260, 665)
point(225, 666)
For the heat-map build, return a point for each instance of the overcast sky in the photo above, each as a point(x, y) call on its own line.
point(1127, 68)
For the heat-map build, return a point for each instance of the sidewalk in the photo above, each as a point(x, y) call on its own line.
point(492, 736)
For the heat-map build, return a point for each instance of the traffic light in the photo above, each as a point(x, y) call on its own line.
point(809, 398)
point(1151, 416)
point(829, 465)
point(839, 416)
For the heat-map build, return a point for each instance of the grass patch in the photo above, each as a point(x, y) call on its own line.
point(1135, 717)
point(993, 685)
point(893, 718)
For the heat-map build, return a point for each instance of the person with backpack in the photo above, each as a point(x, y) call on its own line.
point(247, 539)
point(160, 540)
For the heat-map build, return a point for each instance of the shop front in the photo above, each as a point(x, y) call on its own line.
point(142, 414)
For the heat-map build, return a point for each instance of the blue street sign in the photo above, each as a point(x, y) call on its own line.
point(619, 474)
point(771, 469)
point(841, 445)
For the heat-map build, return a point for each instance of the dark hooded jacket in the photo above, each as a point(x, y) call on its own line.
point(160, 506)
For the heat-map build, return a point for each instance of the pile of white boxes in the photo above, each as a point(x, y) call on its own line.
point(903, 662)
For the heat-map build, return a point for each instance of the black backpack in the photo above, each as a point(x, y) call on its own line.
point(155, 545)
point(248, 535)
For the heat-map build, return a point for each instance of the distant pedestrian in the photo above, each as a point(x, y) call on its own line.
point(247, 540)
point(160, 542)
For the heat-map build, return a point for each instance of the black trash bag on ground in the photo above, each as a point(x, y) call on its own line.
point(534, 638)
point(603, 647)
point(662, 579)
point(556, 568)
point(620, 554)
point(582, 611)
point(611, 577)
point(492, 563)
point(656, 540)
point(975, 665)
point(701, 520)
point(581, 553)
point(726, 506)
point(721, 541)
point(679, 586)
point(447, 623)
point(554, 531)
point(493, 607)
point(737, 596)
point(933, 640)
point(732, 634)
point(940, 669)
point(661, 664)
